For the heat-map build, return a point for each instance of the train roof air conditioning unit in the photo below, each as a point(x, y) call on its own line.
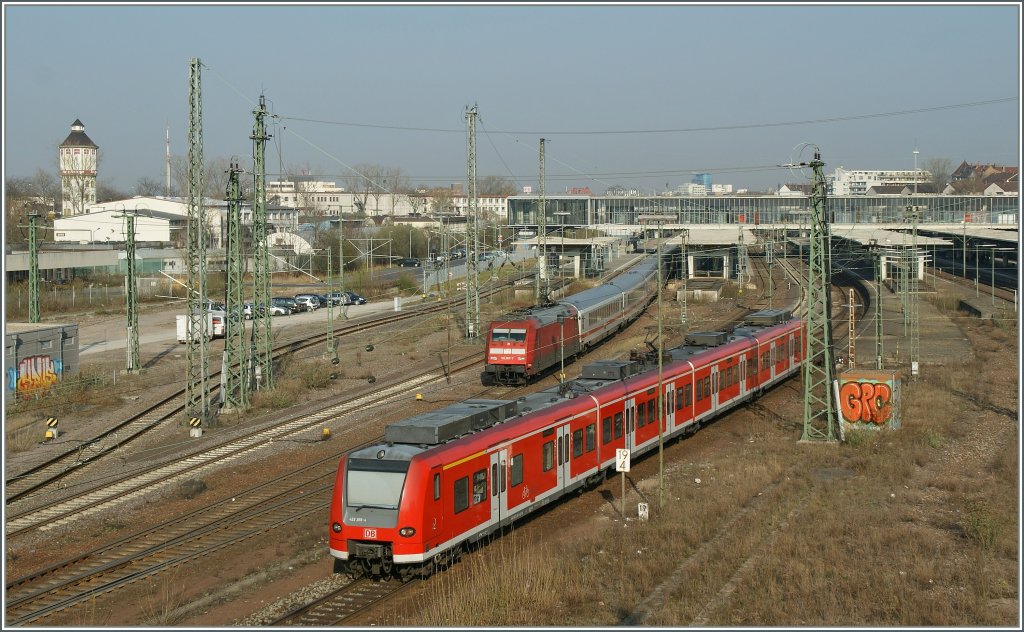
point(707, 338)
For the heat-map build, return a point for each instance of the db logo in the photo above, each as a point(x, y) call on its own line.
point(867, 402)
point(369, 533)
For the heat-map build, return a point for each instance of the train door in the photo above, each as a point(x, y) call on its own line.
point(714, 386)
point(499, 485)
point(743, 375)
point(669, 406)
point(630, 417)
point(562, 456)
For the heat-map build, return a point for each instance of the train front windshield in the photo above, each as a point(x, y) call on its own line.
point(375, 483)
point(508, 335)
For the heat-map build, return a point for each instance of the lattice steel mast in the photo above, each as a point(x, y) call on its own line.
point(542, 235)
point(33, 269)
point(818, 369)
point(234, 385)
point(130, 296)
point(473, 245)
point(878, 311)
point(913, 297)
point(197, 330)
point(260, 346)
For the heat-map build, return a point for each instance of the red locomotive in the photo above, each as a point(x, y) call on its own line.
point(524, 344)
point(444, 479)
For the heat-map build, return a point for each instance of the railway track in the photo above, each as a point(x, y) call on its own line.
point(144, 482)
point(37, 597)
point(43, 594)
point(336, 607)
point(56, 469)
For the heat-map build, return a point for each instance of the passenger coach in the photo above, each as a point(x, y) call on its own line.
point(444, 479)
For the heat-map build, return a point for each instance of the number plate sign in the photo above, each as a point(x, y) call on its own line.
point(621, 460)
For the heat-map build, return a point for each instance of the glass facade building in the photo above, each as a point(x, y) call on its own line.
point(579, 211)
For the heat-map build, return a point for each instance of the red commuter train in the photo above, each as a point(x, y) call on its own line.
point(524, 344)
point(444, 479)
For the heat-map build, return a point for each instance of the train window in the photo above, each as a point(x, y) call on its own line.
point(591, 437)
point(679, 398)
point(606, 430)
point(549, 455)
point(437, 486)
point(651, 404)
point(565, 450)
point(577, 443)
point(560, 442)
point(700, 390)
point(508, 335)
point(689, 394)
point(479, 486)
point(641, 415)
point(707, 386)
point(462, 494)
point(618, 425)
point(517, 470)
point(494, 479)
point(501, 473)
point(670, 404)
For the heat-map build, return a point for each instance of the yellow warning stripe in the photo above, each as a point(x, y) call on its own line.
point(463, 460)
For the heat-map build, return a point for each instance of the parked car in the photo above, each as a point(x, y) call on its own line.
point(354, 299)
point(327, 300)
point(249, 309)
point(311, 301)
point(287, 303)
point(338, 298)
point(409, 263)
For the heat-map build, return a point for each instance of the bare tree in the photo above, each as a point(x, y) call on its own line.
point(46, 187)
point(495, 185)
point(106, 192)
point(215, 176)
point(17, 204)
point(360, 183)
point(442, 201)
point(148, 187)
point(940, 170)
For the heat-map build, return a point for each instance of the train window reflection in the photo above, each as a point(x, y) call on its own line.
point(517, 470)
point(374, 488)
point(462, 494)
point(508, 335)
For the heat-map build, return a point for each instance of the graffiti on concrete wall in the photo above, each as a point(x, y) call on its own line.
point(869, 401)
point(34, 372)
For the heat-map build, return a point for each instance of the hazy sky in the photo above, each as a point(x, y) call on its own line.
point(629, 95)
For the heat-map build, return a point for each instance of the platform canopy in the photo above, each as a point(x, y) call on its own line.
point(886, 238)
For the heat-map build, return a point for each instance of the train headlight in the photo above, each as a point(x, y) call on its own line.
point(336, 527)
point(407, 532)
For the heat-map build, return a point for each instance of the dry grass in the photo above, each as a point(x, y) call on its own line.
point(888, 529)
point(164, 595)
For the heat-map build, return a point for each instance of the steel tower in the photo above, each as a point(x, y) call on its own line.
point(818, 369)
point(234, 386)
point(542, 236)
point(260, 347)
point(473, 245)
point(198, 363)
point(33, 269)
point(130, 296)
